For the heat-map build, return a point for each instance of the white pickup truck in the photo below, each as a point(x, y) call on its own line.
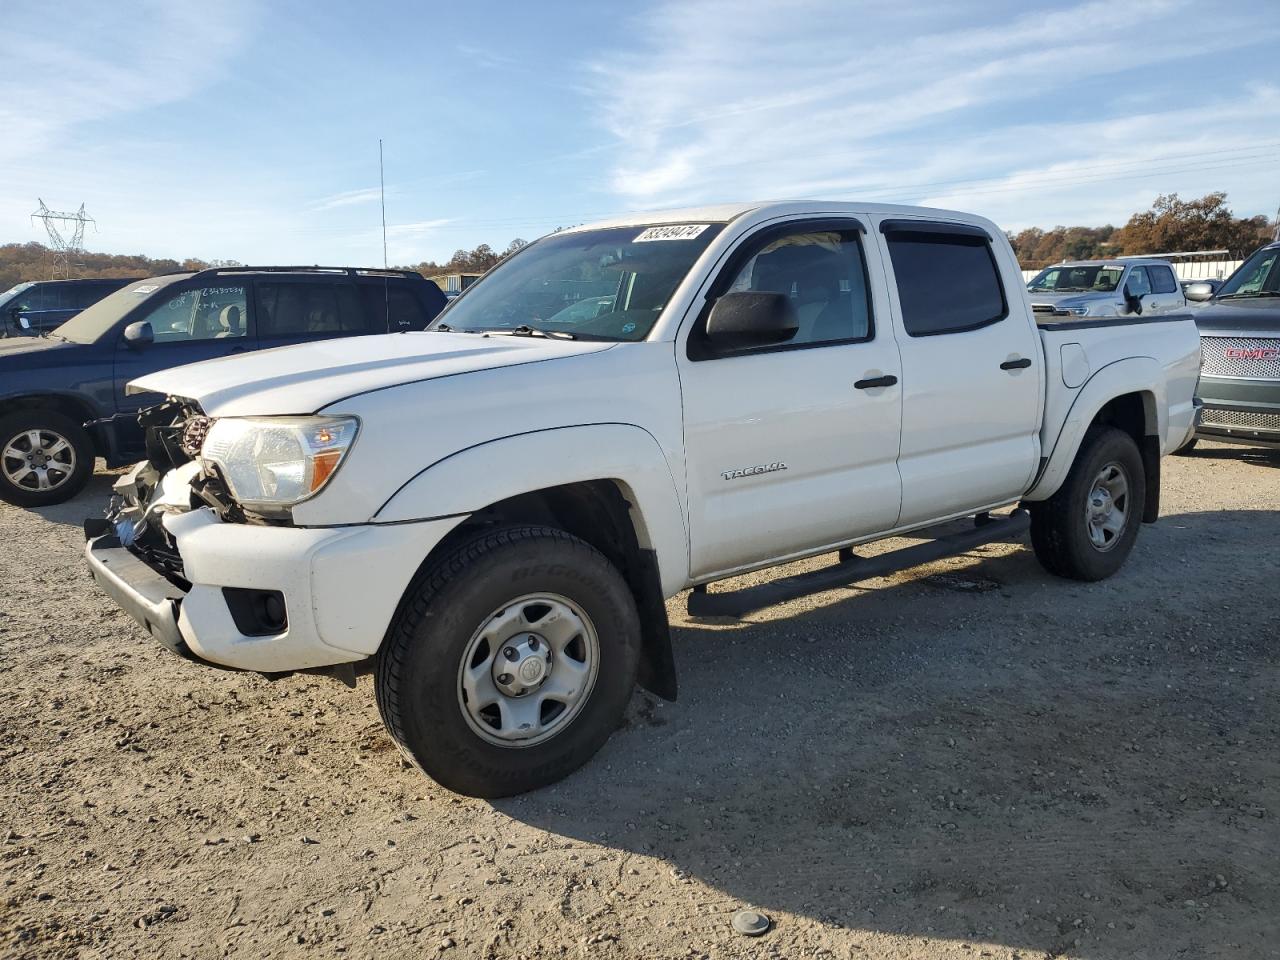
point(491, 513)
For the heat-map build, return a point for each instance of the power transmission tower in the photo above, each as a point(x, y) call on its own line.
point(1276, 233)
point(66, 233)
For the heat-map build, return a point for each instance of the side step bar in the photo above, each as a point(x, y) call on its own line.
point(853, 568)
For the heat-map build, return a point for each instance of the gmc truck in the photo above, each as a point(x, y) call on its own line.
point(490, 514)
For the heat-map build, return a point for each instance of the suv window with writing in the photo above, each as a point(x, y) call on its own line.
point(947, 283)
point(822, 274)
point(308, 309)
point(213, 312)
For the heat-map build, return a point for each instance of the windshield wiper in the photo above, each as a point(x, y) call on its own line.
point(1249, 296)
point(524, 330)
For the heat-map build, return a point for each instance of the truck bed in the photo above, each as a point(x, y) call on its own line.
point(1078, 350)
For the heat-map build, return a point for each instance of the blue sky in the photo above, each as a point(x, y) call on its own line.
point(248, 130)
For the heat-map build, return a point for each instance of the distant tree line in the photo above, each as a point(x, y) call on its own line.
point(20, 262)
point(1172, 225)
point(468, 261)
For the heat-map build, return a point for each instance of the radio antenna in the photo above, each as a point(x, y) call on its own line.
point(382, 182)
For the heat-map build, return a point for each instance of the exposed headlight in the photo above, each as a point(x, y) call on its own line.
point(1079, 311)
point(274, 462)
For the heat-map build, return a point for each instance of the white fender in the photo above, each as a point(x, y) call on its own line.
point(1134, 375)
point(478, 476)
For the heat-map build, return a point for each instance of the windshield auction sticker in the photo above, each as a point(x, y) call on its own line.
point(683, 231)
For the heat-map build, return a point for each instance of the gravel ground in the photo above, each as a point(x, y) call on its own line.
point(971, 759)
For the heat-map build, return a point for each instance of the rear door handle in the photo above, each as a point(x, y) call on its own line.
point(872, 382)
point(1019, 364)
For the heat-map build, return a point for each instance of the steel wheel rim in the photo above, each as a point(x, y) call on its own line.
point(38, 460)
point(1106, 508)
point(528, 670)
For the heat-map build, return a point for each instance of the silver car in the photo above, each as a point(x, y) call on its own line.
point(1106, 288)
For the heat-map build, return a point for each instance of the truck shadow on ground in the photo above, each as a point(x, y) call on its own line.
point(1257, 456)
point(990, 755)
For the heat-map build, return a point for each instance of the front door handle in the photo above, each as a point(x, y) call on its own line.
point(1020, 364)
point(872, 382)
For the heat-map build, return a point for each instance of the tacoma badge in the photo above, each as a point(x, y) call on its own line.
point(753, 471)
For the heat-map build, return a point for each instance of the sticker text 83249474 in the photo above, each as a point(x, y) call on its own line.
point(675, 231)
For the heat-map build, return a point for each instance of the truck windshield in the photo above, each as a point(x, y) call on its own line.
point(1079, 279)
point(92, 322)
point(1259, 276)
point(607, 284)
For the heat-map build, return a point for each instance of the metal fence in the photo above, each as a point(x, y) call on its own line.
point(1187, 270)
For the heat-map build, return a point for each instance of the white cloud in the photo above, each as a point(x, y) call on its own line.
point(725, 100)
point(69, 63)
point(348, 198)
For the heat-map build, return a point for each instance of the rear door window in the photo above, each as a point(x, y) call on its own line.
point(310, 310)
point(391, 308)
point(947, 282)
point(1162, 280)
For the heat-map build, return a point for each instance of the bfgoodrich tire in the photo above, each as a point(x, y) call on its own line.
point(1086, 530)
point(45, 458)
point(510, 662)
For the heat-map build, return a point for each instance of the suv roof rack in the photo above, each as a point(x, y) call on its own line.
point(347, 271)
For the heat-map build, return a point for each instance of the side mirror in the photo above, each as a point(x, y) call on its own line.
point(1131, 300)
point(21, 318)
point(1199, 291)
point(742, 320)
point(139, 334)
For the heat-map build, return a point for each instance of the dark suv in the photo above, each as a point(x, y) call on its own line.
point(1240, 353)
point(32, 308)
point(62, 395)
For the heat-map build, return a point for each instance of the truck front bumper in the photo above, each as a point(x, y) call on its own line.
point(1238, 410)
point(340, 587)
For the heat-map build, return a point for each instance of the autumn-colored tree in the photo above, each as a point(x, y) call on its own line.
point(1037, 248)
point(1173, 225)
point(478, 260)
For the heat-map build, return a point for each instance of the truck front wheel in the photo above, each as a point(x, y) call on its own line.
point(1086, 530)
point(510, 662)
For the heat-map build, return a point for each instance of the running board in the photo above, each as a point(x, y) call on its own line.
point(853, 568)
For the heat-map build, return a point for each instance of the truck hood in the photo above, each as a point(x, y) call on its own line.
point(1062, 301)
point(308, 377)
point(1259, 317)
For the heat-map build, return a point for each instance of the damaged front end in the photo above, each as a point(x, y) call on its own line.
point(216, 580)
point(171, 480)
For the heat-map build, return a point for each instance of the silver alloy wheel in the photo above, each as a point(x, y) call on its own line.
point(1107, 507)
point(38, 460)
point(528, 670)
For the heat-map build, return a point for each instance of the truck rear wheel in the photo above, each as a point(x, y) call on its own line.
point(45, 458)
point(1086, 530)
point(510, 662)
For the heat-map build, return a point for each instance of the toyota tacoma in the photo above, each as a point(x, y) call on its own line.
point(489, 514)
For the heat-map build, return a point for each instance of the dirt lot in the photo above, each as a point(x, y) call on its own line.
point(968, 760)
